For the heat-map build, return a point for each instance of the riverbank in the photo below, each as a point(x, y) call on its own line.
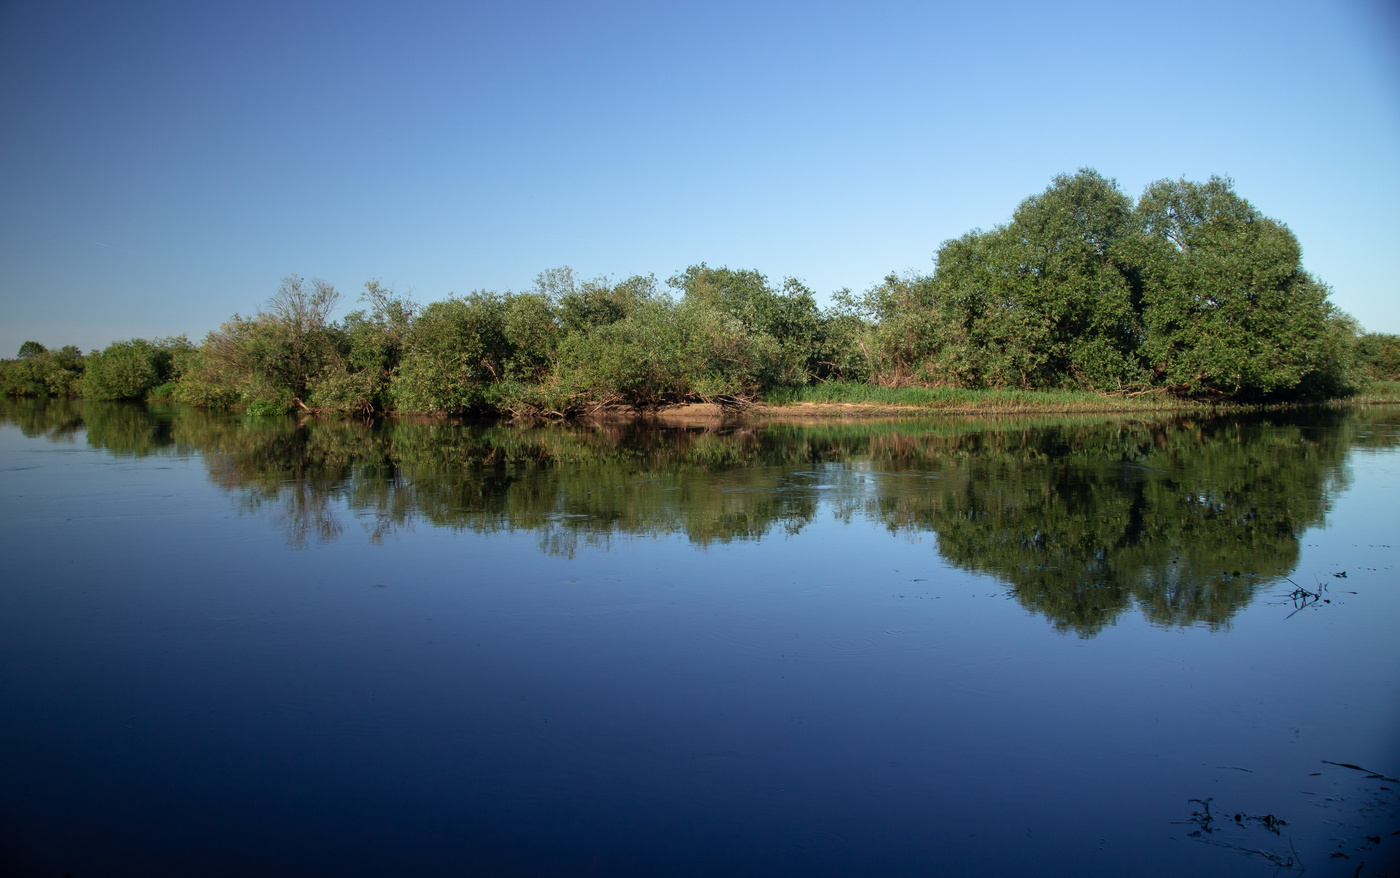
point(858, 401)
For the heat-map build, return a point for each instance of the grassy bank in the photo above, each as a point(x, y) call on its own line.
point(1378, 393)
point(837, 398)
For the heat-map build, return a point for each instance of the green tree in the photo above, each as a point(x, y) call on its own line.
point(369, 345)
point(668, 352)
point(457, 349)
point(789, 316)
point(586, 306)
point(40, 372)
point(268, 361)
point(900, 332)
point(132, 369)
point(1044, 301)
point(1379, 355)
point(297, 343)
point(1228, 308)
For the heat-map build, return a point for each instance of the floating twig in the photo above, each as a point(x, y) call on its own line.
point(1269, 821)
point(1302, 598)
point(1292, 861)
point(1368, 772)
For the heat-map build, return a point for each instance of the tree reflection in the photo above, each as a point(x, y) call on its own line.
point(1185, 519)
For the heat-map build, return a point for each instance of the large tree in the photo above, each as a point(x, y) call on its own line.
point(1228, 307)
point(1047, 299)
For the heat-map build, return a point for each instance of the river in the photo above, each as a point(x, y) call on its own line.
point(1089, 646)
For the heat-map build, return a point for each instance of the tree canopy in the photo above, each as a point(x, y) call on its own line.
point(1191, 290)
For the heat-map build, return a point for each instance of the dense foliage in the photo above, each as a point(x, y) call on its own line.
point(1188, 291)
point(1379, 355)
point(40, 372)
point(136, 369)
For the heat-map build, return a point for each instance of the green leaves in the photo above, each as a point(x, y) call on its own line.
point(1191, 290)
point(1227, 306)
point(122, 370)
point(40, 372)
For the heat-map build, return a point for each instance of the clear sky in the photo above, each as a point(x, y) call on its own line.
point(164, 164)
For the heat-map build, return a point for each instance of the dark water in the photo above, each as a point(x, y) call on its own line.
point(235, 647)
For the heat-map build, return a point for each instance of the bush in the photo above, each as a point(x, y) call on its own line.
point(126, 370)
point(668, 353)
point(1379, 355)
point(279, 352)
point(790, 317)
point(163, 392)
point(40, 372)
point(269, 407)
point(369, 347)
point(591, 304)
point(457, 349)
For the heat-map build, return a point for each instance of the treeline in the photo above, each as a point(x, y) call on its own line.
point(1189, 291)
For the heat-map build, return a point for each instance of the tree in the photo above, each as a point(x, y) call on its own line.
point(1044, 301)
point(41, 372)
point(1227, 306)
point(599, 302)
point(298, 344)
point(892, 329)
point(270, 360)
point(789, 317)
point(1379, 354)
point(369, 346)
point(457, 349)
point(125, 370)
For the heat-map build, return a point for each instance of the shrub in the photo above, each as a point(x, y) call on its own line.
point(125, 370)
point(1379, 354)
point(279, 352)
point(458, 347)
point(40, 372)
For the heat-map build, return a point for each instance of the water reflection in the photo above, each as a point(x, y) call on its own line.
point(1186, 519)
point(1083, 519)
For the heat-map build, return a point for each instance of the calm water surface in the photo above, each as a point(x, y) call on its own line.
point(234, 647)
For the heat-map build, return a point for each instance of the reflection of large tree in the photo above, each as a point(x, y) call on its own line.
point(1083, 519)
point(1185, 520)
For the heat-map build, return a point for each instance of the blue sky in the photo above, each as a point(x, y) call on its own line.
point(163, 165)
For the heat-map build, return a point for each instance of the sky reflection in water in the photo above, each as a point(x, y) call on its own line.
point(246, 646)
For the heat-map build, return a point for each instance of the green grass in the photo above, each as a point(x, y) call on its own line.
point(162, 392)
point(1380, 392)
point(947, 398)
